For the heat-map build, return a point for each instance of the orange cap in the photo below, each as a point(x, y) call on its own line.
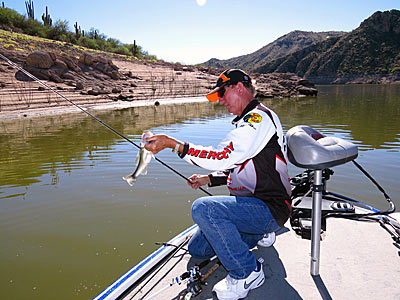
point(231, 76)
point(213, 97)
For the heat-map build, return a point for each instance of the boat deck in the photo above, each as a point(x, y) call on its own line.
point(358, 261)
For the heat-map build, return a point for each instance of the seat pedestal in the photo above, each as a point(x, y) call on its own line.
point(308, 148)
point(316, 222)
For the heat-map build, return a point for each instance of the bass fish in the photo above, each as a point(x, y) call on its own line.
point(142, 161)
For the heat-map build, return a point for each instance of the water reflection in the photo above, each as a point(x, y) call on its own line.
point(368, 114)
point(30, 148)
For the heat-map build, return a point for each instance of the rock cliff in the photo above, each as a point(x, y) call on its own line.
point(90, 77)
point(370, 54)
point(283, 46)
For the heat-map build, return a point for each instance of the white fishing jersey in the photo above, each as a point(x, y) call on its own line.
point(253, 160)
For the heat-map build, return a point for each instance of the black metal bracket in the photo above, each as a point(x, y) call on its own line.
point(318, 188)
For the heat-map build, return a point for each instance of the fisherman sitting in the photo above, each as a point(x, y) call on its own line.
point(251, 161)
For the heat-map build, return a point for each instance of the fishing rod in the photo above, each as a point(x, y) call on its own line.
point(178, 248)
point(194, 278)
point(91, 115)
point(391, 209)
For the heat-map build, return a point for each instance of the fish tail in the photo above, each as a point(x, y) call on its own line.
point(129, 179)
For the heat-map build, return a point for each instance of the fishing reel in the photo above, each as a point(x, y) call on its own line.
point(194, 288)
point(194, 282)
point(195, 279)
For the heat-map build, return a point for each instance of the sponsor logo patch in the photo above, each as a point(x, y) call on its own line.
point(253, 118)
point(212, 154)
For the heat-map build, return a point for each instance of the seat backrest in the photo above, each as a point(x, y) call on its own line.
point(308, 148)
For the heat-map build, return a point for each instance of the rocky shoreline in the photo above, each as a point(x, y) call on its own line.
point(393, 78)
point(93, 79)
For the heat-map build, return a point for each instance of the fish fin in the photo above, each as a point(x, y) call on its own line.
point(144, 172)
point(129, 179)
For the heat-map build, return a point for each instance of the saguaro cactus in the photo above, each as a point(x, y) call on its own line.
point(29, 9)
point(134, 48)
point(46, 18)
point(77, 30)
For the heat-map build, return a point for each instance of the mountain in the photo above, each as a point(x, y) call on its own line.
point(370, 51)
point(285, 45)
point(368, 54)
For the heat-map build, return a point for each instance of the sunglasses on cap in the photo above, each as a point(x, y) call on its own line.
point(214, 97)
point(221, 92)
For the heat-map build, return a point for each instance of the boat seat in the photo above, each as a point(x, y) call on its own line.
point(308, 148)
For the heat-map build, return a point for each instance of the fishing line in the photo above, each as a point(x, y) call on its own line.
point(180, 247)
point(360, 216)
point(392, 205)
point(376, 184)
point(90, 115)
point(193, 277)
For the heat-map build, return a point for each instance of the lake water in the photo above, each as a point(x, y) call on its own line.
point(70, 225)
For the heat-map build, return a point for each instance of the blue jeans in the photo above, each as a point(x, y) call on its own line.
point(229, 227)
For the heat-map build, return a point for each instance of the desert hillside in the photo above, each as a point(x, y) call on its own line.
point(285, 45)
point(91, 78)
point(368, 54)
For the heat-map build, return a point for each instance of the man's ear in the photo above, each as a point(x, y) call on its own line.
point(240, 87)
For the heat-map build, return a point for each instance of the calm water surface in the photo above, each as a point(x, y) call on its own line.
point(70, 225)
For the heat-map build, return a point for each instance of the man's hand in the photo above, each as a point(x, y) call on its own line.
point(196, 181)
point(159, 142)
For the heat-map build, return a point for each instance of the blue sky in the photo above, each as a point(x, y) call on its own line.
point(191, 31)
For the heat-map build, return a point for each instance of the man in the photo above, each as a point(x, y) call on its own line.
point(251, 161)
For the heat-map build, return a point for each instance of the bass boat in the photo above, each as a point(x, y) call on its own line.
point(357, 259)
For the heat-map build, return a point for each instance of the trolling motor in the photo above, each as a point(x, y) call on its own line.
point(301, 217)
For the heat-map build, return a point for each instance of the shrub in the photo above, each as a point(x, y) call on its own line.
point(139, 51)
point(93, 33)
point(395, 69)
point(87, 42)
point(112, 43)
point(33, 27)
point(59, 30)
point(11, 18)
point(123, 50)
point(381, 70)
